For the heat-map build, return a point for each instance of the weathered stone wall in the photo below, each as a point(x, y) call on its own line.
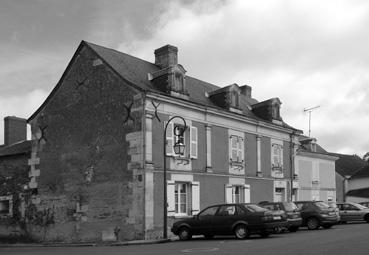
point(86, 142)
point(13, 176)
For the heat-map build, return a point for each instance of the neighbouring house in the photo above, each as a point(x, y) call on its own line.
point(346, 167)
point(14, 155)
point(97, 160)
point(315, 170)
point(358, 185)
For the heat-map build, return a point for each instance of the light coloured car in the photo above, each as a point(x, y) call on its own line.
point(353, 212)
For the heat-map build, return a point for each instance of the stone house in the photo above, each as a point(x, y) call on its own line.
point(98, 147)
point(315, 170)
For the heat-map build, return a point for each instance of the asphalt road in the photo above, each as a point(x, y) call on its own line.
point(341, 239)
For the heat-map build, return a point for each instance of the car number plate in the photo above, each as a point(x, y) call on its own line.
point(332, 213)
point(276, 217)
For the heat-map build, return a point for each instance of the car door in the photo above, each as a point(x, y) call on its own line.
point(356, 213)
point(224, 219)
point(348, 212)
point(203, 222)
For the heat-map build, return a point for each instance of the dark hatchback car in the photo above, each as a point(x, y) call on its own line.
point(317, 213)
point(294, 219)
point(240, 220)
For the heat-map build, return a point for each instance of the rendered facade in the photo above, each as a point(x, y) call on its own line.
point(96, 166)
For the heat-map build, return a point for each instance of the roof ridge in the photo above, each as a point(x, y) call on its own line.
point(120, 52)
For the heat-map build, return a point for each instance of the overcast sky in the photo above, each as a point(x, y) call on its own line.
point(308, 53)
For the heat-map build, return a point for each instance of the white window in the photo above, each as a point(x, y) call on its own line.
point(277, 156)
point(237, 193)
point(183, 198)
point(236, 149)
point(279, 195)
point(172, 139)
point(315, 174)
point(6, 206)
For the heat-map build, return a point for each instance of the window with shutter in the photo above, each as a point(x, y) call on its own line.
point(234, 148)
point(228, 193)
point(247, 193)
point(240, 149)
point(193, 142)
point(195, 191)
point(169, 139)
point(171, 198)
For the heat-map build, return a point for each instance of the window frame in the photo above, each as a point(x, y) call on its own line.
point(10, 206)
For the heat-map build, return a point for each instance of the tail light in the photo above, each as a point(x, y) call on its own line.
point(268, 216)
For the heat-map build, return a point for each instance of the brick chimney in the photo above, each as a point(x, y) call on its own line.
point(166, 56)
point(246, 90)
point(15, 130)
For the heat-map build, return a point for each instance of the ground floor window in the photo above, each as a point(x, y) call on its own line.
point(183, 198)
point(279, 195)
point(237, 193)
point(6, 206)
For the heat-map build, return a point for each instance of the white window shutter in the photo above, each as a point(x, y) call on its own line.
point(171, 198)
point(281, 155)
point(193, 142)
point(195, 197)
point(170, 139)
point(241, 148)
point(228, 193)
point(247, 193)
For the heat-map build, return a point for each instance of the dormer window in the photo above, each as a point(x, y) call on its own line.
point(178, 82)
point(234, 99)
point(275, 112)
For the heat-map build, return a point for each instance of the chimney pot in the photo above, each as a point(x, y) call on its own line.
point(246, 90)
point(15, 130)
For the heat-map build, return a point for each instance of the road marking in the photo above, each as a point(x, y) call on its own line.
point(197, 250)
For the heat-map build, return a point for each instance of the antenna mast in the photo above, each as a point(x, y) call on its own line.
point(309, 110)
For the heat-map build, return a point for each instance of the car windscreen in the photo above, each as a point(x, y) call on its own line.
point(289, 206)
point(361, 207)
point(254, 208)
point(321, 205)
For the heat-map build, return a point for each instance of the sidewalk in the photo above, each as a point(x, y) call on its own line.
point(135, 242)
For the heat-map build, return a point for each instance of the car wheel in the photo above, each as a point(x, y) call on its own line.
point(293, 229)
point(208, 236)
point(327, 226)
point(264, 234)
point(366, 218)
point(184, 234)
point(312, 223)
point(278, 230)
point(241, 231)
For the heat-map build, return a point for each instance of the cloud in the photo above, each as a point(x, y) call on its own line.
point(307, 53)
point(22, 106)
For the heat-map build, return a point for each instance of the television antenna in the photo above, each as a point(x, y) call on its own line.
point(309, 110)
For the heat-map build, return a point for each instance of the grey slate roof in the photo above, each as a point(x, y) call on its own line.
point(136, 70)
point(348, 164)
point(23, 147)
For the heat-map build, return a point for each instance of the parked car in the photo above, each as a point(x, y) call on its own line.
point(240, 220)
point(316, 213)
point(294, 219)
point(366, 204)
point(353, 212)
